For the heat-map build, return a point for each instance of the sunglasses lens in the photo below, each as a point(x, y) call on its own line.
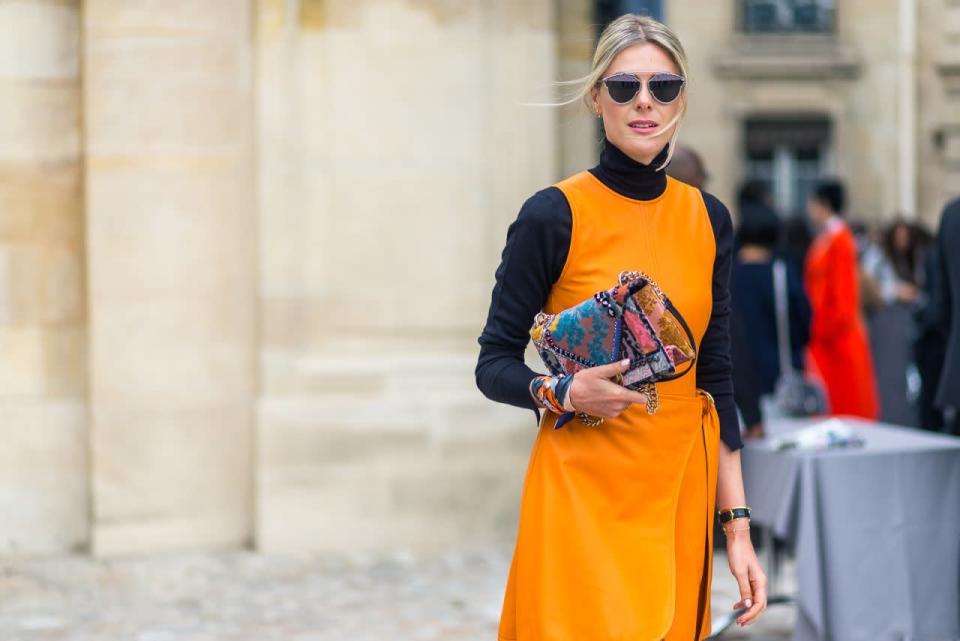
point(665, 88)
point(622, 88)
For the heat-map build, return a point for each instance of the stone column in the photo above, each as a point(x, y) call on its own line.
point(43, 426)
point(171, 261)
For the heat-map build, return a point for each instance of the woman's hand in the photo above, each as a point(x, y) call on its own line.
point(749, 575)
point(594, 393)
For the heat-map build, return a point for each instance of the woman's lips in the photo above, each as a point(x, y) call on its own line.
point(638, 127)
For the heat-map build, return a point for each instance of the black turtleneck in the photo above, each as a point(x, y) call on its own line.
point(628, 177)
point(531, 262)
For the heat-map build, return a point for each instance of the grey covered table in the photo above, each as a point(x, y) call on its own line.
point(875, 531)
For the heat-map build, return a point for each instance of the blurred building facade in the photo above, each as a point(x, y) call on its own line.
point(246, 246)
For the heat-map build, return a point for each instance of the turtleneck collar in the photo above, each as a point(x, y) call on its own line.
point(630, 178)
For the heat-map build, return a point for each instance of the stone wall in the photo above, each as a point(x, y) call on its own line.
point(44, 494)
point(394, 150)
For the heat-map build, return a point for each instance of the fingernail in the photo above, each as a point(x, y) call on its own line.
point(748, 603)
point(625, 361)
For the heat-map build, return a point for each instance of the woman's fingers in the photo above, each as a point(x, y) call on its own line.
point(594, 393)
point(610, 369)
point(760, 596)
point(746, 595)
point(631, 396)
point(758, 588)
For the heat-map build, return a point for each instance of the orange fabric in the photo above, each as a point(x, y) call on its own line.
point(616, 521)
point(838, 336)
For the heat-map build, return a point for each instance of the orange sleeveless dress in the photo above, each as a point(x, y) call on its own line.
point(615, 537)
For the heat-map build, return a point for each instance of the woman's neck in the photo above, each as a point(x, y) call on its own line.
point(630, 178)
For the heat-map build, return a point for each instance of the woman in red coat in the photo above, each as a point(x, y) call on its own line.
point(839, 347)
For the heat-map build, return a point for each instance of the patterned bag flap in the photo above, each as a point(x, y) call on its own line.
point(630, 320)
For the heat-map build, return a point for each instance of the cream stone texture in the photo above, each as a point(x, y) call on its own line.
point(181, 481)
point(333, 134)
point(41, 205)
point(40, 40)
point(43, 475)
point(43, 424)
point(171, 262)
point(394, 465)
point(387, 181)
point(578, 131)
point(39, 121)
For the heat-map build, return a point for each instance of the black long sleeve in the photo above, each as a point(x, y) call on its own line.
point(714, 366)
point(531, 262)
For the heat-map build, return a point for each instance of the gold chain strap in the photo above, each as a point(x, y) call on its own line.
point(653, 399)
point(626, 277)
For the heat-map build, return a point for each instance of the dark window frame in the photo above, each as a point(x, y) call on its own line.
point(824, 22)
point(793, 135)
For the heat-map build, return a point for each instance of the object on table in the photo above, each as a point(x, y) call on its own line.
point(829, 434)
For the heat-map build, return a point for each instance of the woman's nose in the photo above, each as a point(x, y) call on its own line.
point(644, 99)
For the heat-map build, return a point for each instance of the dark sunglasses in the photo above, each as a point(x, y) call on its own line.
point(664, 87)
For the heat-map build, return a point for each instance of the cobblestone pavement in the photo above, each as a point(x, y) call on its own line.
point(241, 595)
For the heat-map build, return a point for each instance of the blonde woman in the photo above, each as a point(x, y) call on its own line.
point(616, 520)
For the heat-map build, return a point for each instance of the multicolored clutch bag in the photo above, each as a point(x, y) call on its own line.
point(634, 320)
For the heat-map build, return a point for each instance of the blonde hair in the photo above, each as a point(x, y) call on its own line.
point(626, 31)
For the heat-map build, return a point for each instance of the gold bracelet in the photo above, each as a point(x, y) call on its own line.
point(735, 529)
point(732, 507)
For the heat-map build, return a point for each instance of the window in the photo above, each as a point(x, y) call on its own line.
point(786, 16)
point(790, 156)
point(606, 10)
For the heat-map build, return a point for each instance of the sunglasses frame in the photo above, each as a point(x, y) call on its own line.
point(636, 75)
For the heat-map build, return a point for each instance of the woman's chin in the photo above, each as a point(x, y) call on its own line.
point(641, 149)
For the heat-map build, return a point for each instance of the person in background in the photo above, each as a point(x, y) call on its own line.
point(906, 246)
point(948, 250)
point(753, 321)
point(687, 166)
point(930, 342)
point(839, 348)
point(888, 295)
point(878, 280)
